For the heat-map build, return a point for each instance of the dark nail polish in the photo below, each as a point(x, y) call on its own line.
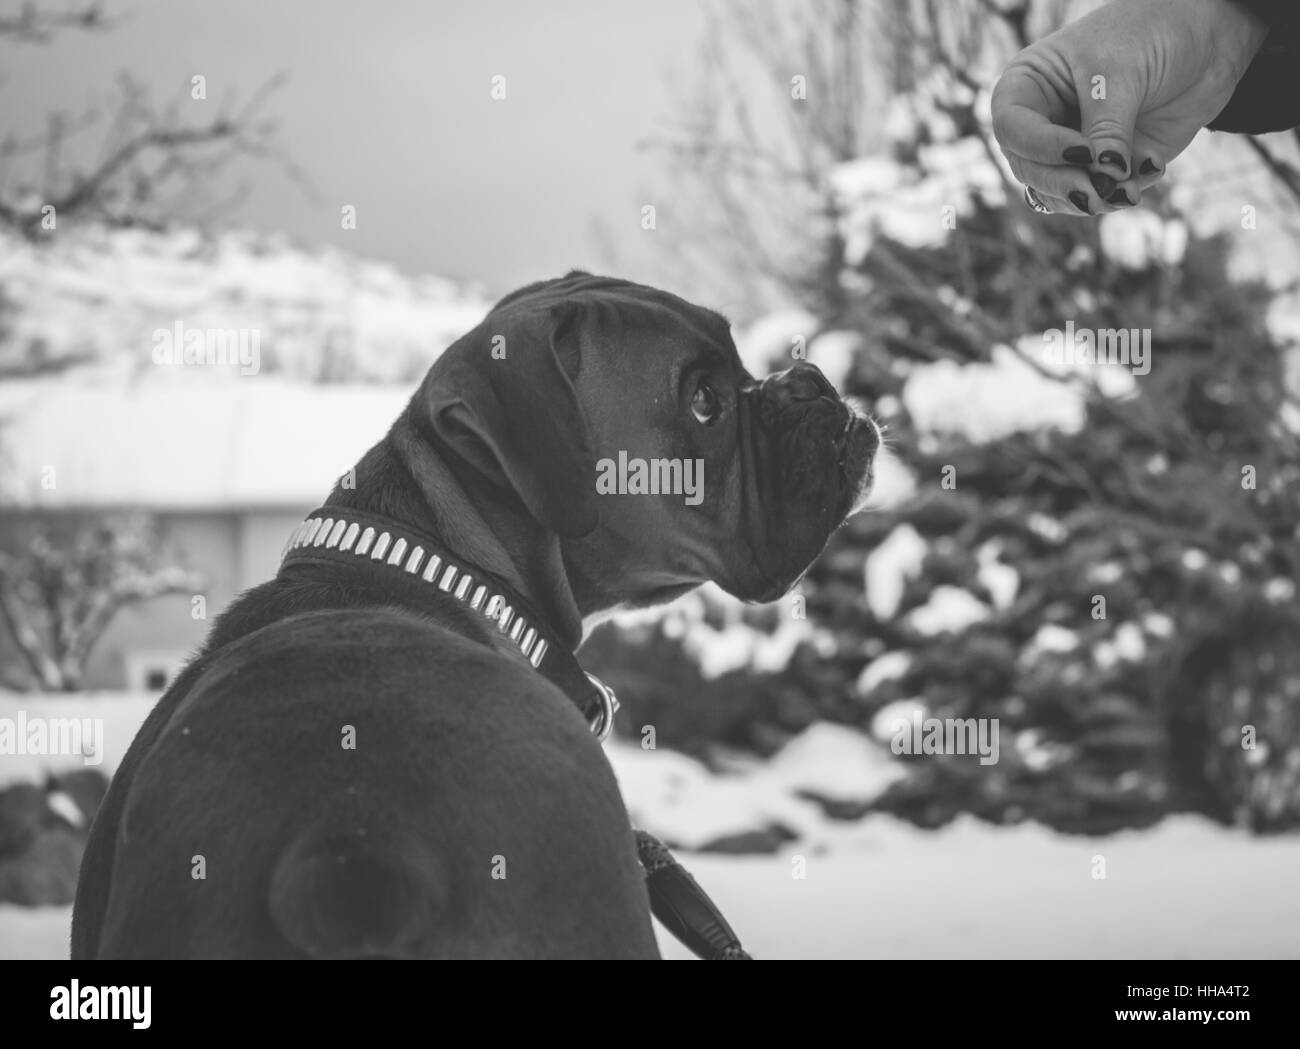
point(1120, 199)
point(1148, 167)
point(1112, 158)
point(1080, 200)
point(1078, 155)
point(1103, 184)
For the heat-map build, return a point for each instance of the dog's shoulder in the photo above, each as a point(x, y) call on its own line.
point(291, 600)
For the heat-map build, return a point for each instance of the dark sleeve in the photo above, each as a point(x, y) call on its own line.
point(1268, 96)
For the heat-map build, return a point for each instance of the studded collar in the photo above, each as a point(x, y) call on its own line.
point(343, 535)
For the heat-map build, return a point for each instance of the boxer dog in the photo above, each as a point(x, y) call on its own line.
point(387, 750)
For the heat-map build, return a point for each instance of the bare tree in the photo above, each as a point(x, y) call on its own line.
point(783, 98)
point(153, 163)
point(58, 594)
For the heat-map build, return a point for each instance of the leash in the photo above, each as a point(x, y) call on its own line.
point(339, 534)
point(685, 910)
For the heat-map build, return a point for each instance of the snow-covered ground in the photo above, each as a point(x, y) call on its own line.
point(875, 888)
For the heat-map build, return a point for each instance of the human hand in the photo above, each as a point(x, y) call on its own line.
point(1090, 116)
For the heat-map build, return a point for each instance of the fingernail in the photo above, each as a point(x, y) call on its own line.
point(1120, 199)
point(1113, 159)
point(1080, 200)
point(1103, 184)
point(1078, 155)
point(1148, 167)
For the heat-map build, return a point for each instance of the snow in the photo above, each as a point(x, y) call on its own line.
point(883, 668)
point(1279, 590)
point(834, 352)
point(101, 293)
point(1037, 753)
point(65, 807)
point(985, 402)
point(1283, 324)
point(887, 720)
point(877, 887)
point(257, 442)
point(1048, 527)
point(34, 933)
point(834, 762)
point(926, 108)
point(916, 207)
point(868, 177)
point(1128, 645)
point(964, 168)
point(1052, 638)
point(1084, 365)
point(1105, 572)
point(679, 800)
point(738, 645)
point(1289, 415)
point(892, 483)
point(120, 714)
point(948, 610)
point(1139, 238)
point(735, 643)
point(769, 342)
point(1157, 624)
point(1001, 580)
point(1186, 889)
point(1261, 234)
point(889, 566)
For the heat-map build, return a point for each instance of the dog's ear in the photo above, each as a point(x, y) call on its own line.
point(502, 400)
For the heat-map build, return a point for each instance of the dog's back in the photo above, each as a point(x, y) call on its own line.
point(357, 782)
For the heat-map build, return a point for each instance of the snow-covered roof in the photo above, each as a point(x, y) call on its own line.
point(88, 293)
point(256, 442)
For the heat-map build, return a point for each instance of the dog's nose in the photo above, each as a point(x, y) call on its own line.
point(801, 382)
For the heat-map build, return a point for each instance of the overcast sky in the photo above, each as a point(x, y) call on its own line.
point(388, 107)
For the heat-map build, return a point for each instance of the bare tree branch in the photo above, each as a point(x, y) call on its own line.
point(59, 595)
point(1286, 173)
point(36, 25)
point(152, 163)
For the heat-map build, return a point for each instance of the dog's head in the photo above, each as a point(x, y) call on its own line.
point(621, 418)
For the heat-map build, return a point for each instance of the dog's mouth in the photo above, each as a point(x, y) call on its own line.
point(815, 471)
point(856, 446)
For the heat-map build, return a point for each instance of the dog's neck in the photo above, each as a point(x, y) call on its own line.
point(405, 479)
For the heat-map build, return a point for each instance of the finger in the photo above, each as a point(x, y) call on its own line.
point(1087, 192)
point(1125, 195)
point(1148, 162)
point(1024, 107)
point(1108, 110)
point(1148, 169)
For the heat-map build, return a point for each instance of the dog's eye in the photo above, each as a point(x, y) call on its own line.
point(705, 404)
